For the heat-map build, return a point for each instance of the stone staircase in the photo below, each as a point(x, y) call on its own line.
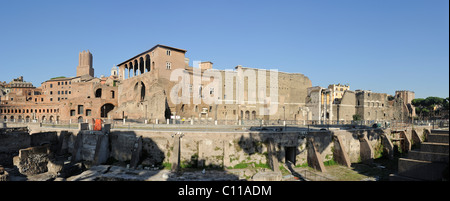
point(428, 163)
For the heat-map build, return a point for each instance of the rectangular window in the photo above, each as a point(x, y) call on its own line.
point(168, 52)
point(80, 109)
point(72, 113)
point(168, 65)
point(51, 85)
point(88, 112)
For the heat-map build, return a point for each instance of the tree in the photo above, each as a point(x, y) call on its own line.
point(356, 117)
point(429, 106)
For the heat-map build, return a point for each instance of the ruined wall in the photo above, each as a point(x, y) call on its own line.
point(10, 143)
point(202, 149)
point(346, 109)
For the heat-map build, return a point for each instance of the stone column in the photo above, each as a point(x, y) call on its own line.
point(175, 156)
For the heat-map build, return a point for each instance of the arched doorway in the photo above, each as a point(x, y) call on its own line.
point(105, 109)
point(80, 119)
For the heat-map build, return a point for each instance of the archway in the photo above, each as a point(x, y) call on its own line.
point(141, 65)
point(80, 119)
point(254, 115)
point(147, 63)
point(105, 109)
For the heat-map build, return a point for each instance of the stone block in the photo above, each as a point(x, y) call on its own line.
point(424, 170)
point(314, 158)
point(340, 152)
point(136, 153)
point(63, 142)
point(33, 160)
point(42, 138)
point(267, 176)
point(55, 167)
point(83, 126)
point(435, 147)
point(106, 128)
point(101, 150)
point(366, 150)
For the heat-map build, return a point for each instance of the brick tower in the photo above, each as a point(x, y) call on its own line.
point(85, 64)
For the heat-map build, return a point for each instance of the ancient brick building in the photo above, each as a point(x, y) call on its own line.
point(147, 81)
point(159, 84)
point(67, 99)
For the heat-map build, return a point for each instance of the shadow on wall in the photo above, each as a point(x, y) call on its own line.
point(286, 146)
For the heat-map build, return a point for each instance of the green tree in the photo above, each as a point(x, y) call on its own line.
point(357, 117)
point(429, 106)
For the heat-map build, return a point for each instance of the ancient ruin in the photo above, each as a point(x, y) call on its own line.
point(156, 118)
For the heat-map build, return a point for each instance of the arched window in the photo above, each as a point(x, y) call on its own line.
point(98, 93)
point(141, 66)
point(147, 63)
point(142, 91)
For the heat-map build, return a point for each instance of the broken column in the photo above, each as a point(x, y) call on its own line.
point(101, 149)
point(175, 156)
point(273, 159)
point(136, 153)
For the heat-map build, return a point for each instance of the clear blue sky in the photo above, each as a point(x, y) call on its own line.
point(378, 45)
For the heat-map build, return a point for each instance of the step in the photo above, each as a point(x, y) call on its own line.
point(439, 138)
point(439, 132)
point(434, 147)
point(428, 156)
point(424, 170)
point(396, 177)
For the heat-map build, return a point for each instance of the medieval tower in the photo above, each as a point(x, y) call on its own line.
point(85, 64)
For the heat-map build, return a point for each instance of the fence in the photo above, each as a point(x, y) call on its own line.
point(145, 124)
point(311, 176)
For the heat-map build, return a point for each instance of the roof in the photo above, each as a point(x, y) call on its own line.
point(151, 49)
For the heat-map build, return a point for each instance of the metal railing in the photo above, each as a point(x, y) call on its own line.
point(311, 176)
point(146, 124)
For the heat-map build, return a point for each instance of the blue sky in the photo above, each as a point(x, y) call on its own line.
point(378, 45)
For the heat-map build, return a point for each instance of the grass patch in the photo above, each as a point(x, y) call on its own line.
point(329, 163)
